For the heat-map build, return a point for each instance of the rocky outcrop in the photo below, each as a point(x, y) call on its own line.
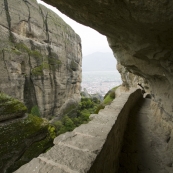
point(140, 35)
point(10, 108)
point(23, 136)
point(40, 57)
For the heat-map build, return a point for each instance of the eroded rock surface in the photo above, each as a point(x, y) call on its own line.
point(140, 35)
point(40, 57)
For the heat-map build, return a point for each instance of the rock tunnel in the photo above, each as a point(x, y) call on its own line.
point(140, 141)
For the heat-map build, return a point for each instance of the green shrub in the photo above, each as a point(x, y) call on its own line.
point(95, 100)
point(112, 94)
point(9, 105)
point(101, 106)
point(108, 98)
point(77, 121)
point(83, 115)
point(22, 47)
point(35, 53)
point(35, 111)
point(54, 63)
point(86, 103)
point(52, 131)
point(58, 125)
point(86, 107)
point(38, 71)
point(68, 123)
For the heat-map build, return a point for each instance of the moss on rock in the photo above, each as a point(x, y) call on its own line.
point(21, 139)
point(9, 105)
point(108, 98)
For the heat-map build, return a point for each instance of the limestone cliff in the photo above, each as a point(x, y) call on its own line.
point(140, 35)
point(40, 57)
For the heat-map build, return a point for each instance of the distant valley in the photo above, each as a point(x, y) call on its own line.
point(99, 73)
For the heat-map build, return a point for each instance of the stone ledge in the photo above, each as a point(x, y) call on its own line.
point(92, 147)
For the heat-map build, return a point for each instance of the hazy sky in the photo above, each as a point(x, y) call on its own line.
point(92, 41)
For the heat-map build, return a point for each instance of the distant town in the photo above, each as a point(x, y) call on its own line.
point(99, 87)
point(99, 73)
point(100, 81)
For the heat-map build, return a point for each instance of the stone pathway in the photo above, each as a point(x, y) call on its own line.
point(95, 147)
point(145, 144)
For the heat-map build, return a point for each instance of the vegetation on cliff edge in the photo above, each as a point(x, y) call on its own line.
point(86, 107)
point(21, 139)
point(108, 98)
point(9, 105)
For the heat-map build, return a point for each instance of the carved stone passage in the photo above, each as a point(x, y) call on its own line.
point(140, 35)
point(92, 147)
point(147, 145)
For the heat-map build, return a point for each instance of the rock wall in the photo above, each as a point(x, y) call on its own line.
point(92, 147)
point(140, 35)
point(40, 57)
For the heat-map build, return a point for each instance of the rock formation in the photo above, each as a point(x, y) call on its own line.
point(23, 136)
point(140, 35)
point(40, 57)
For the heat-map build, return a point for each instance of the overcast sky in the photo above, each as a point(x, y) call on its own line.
point(92, 41)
